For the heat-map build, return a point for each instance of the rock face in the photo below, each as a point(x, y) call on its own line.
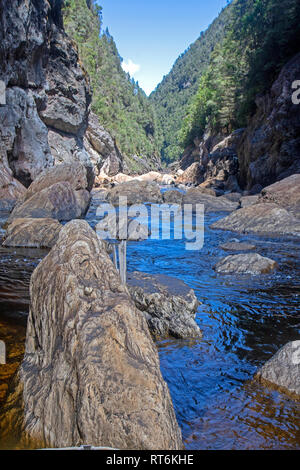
point(137, 192)
point(46, 90)
point(285, 193)
point(59, 201)
point(283, 370)
point(211, 203)
point(91, 372)
point(168, 304)
point(250, 263)
point(32, 233)
point(262, 219)
point(103, 150)
point(270, 147)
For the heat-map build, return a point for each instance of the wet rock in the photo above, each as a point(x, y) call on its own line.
point(173, 197)
point(284, 193)
point(59, 201)
point(90, 374)
point(262, 219)
point(137, 192)
point(168, 304)
point(237, 246)
point(282, 371)
point(74, 174)
point(2, 353)
point(211, 203)
point(32, 233)
point(250, 263)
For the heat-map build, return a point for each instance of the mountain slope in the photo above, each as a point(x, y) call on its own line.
point(173, 94)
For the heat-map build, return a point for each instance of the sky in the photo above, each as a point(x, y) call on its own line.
point(150, 35)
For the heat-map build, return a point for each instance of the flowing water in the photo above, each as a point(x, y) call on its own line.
point(244, 320)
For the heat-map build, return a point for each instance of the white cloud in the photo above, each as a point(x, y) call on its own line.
point(130, 67)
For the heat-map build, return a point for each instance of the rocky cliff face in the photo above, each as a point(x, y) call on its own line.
point(270, 148)
point(45, 116)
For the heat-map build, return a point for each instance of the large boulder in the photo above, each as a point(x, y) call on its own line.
point(284, 193)
point(168, 304)
point(59, 201)
point(137, 192)
point(249, 263)
point(282, 371)
point(11, 190)
point(211, 203)
point(262, 219)
point(90, 374)
point(237, 246)
point(173, 197)
point(192, 175)
point(32, 233)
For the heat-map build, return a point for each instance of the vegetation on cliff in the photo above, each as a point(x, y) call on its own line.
point(122, 106)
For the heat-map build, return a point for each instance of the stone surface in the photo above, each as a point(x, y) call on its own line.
point(282, 371)
point(270, 147)
point(236, 246)
point(137, 192)
point(250, 263)
point(211, 203)
point(261, 219)
point(32, 233)
point(90, 374)
point(284, 193)
point(11, 190)
point(2, 353)
point(173, 197)
point(59, 201)
point(247, 201)
point(74, 174)
point(192, 175)
point(168, 304)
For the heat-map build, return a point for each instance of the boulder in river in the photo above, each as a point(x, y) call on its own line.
point(168, 304)
point(237, 246)
point(284, 193)
point(262, 219)
point(32, 233)
point(60, 201)
point(137, 192)
point(91, 373)
point(282, 371)
point(211, 203)
point(248, 263)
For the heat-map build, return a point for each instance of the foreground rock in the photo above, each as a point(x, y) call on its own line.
point(32, 233)
point(90, 374)
point(59, 201)
point(237, 246)
point(262, 219)
point(168, 304)
point(285, 193)
point(250, 263)
point(211, 203)
point(283, 370)
point(137, 192)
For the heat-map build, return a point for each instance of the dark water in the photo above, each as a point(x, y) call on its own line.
point(244, 321)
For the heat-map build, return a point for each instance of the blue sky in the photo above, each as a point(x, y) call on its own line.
point(150, 35)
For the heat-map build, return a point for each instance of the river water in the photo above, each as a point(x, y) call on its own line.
point(244, 320)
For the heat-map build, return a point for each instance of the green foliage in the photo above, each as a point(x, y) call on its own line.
point(122, 106)
point(261, 36)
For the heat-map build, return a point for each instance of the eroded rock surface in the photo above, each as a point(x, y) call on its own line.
point(282, 371)
point(91, 372)
point(250, 263)
point(168, 304)
point(32, 233)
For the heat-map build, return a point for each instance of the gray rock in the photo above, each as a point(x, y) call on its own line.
point(211, 203)
point(173, 197)
point(32, 233)
point(2, 353)
point(282, 371)
point(247, 201)
point(137, 192)
point(284, 193)
point(261, 219)
point(90, 374)
point(168, 304)
point(249, 263)
point(11, 190)
point(237, 246)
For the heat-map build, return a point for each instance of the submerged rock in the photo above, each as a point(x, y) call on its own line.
point(237, 246)
point(249, 263)
point(90, 374)
point(282, 371)
point(262, 219)
point(168, 304)
point(59, 201)
point(32, 233)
